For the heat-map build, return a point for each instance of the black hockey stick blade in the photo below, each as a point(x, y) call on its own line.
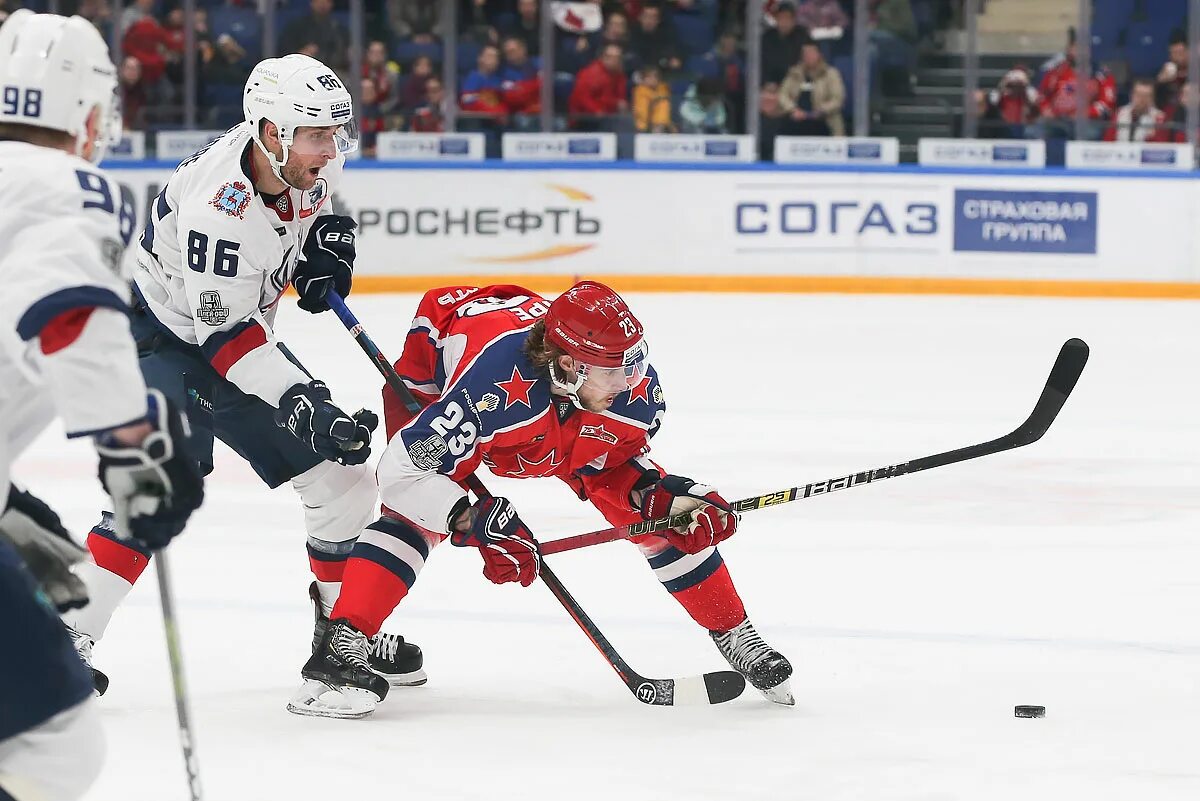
point(1072, 358)
point(1063, 377)
point(711, 688)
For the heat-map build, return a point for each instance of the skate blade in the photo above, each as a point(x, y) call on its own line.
point(321, 700)
point(780, 694)
point(413, 679)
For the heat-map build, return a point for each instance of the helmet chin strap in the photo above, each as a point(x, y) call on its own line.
point(276, 164)
point(571, 389)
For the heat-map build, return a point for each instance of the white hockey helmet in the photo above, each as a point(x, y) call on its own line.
point(298, 91)
point(54, 70)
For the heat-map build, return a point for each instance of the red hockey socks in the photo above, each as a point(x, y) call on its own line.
point(700, 583)
point(382, 568)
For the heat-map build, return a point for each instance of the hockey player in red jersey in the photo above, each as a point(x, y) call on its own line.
point(530, 389)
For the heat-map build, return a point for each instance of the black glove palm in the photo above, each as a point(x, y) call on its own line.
point(328, 261)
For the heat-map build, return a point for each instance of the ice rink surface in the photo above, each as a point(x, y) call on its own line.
point(917, 612)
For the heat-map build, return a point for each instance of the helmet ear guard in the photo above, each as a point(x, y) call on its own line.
point(566, 386)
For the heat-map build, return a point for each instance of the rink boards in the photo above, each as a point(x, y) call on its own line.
point(766, 228)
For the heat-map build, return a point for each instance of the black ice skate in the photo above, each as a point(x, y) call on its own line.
point(337, 681)
point(763, 666)
point(400, 662)
point(83, 646)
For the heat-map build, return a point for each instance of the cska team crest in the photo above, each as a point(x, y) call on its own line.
point(233, 199)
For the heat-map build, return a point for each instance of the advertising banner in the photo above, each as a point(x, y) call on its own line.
point(715, 148)
point(1001, 153)
point(836, 150)
point(993, 221)
point(1130, 156)
point(746, 223)
point(398, 146)
point(132, 147)
point(559, 147)
point(178, 145)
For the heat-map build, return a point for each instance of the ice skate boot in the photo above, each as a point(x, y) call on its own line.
point(400, 662)
point(764, 667)
point(83, 646)
point(338, 683)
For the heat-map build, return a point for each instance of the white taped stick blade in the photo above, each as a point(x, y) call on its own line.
point(711, 688)
point(321, 700)
point(691, 691)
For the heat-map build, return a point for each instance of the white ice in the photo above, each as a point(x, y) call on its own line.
point(917, 612)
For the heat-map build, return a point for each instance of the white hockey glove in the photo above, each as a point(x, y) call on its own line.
point(155, 486)
point(48, 550)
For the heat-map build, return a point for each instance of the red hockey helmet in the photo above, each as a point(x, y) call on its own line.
point(591, 324)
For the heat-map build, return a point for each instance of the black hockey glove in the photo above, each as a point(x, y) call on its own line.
point(157, 485)
point(328, 261)
point(38, 535)
point(307, 411)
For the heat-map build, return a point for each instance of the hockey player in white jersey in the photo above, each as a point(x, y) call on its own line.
point(235, 225)
point(66, 351)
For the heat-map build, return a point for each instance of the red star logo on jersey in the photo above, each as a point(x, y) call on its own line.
point(640, 392)
point(524, 464)
point(516, 389)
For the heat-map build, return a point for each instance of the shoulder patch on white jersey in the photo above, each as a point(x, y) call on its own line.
point(112, 251)
point(212, 311)
point(233, 198)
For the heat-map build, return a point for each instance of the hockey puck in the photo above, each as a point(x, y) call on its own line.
point(1029, 711)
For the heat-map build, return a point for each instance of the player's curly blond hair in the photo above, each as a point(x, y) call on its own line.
point(540, 352)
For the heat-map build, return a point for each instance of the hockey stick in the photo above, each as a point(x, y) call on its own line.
point(711, 688)
point(1066, 371)
point(171, 628)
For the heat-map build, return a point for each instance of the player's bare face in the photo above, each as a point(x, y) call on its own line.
point(311, 150)
point(602, 384)
point(595, 399)
point(302, 171)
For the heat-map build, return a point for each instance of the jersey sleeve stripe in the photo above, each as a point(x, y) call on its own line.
point(64, 329)
point(224, 348)
point(37, 316)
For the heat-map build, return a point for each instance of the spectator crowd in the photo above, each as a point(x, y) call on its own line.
point(1046, 106)
point(634, 65)
point(663, 66)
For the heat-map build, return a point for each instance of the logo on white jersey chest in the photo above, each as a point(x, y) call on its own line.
point(311, 199)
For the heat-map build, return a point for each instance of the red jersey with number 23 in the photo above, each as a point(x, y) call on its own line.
point(484, 401)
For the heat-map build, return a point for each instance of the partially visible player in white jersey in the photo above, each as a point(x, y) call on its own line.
point(66, 351)
point(235, 225)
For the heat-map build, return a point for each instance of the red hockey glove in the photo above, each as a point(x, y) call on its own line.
point(713, 519)
point(510, 553)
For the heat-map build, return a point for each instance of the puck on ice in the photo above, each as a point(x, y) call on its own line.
point(1029, 711)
